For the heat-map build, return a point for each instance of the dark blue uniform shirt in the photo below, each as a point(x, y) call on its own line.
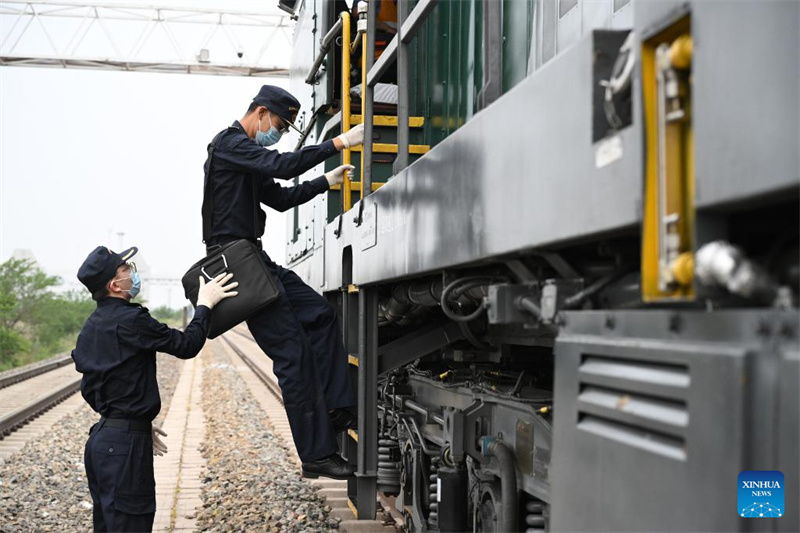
point(116, 353)
point(238, 160)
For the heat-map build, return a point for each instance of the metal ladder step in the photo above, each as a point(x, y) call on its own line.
point(356, 186)
point(388, 120)
point(392, 148)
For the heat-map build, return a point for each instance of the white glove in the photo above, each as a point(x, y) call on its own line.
point(353, 137)
point(336, 176)
point(159, 448)
point(214, 291)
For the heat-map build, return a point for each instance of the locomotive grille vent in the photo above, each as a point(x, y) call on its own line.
point(637, 403)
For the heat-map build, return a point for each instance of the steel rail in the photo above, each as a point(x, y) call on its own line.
point(257, 370)
point(15, 419)
point(23, 375)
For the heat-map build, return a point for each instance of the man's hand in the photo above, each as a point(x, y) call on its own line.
point(215, 291)
point(159, 448)
point(336, 176)
point(352, 137)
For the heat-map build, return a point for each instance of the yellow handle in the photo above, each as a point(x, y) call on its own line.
point(347, 197)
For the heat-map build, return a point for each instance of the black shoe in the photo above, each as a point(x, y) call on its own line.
point(332, 466)
point(343, 419)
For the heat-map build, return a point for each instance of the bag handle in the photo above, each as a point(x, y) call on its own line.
point(212, 276)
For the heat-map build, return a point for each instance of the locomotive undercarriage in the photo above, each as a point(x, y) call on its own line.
point(464, 407)
point(466, 375)
point(434, 453)
point(465, 391)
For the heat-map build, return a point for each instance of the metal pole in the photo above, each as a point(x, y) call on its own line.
point(363, 40)
point(492, 53)
point(366, 473)
point(367, 93)
point(324, 47)
point(401, 161)
point(350, 338)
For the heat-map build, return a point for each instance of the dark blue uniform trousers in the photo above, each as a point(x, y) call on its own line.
point(119, 466)
point(300, 332)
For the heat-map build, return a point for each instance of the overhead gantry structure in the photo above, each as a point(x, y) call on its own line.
point(143, 38)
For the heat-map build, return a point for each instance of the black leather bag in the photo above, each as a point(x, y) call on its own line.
point(257, 286)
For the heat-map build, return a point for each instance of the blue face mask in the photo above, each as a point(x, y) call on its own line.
point(269, 138)
point(137, 285)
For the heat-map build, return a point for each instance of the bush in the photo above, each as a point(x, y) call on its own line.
point(59, 318)
point(168, 315)
point(36, 323)
point(11, 344)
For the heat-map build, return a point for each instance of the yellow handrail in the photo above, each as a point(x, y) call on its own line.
point(347, 199)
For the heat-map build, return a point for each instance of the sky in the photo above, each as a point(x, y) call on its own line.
point(92, 158)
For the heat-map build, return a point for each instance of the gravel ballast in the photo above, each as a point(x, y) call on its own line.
point(43, 487)
point(250, 483)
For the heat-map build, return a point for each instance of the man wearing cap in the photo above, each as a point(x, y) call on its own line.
point(300, 331)
point(116, 353)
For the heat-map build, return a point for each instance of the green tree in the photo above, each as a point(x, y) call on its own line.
point(58, 320)
point(35, 322)
point(11, 343)
point(167, 314)
point(24, 289)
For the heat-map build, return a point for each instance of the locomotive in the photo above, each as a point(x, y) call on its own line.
point(566, 264)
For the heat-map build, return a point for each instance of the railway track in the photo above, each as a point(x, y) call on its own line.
point(26, 394)
point(334, 491)
point(267, 378)
point(34, 369)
